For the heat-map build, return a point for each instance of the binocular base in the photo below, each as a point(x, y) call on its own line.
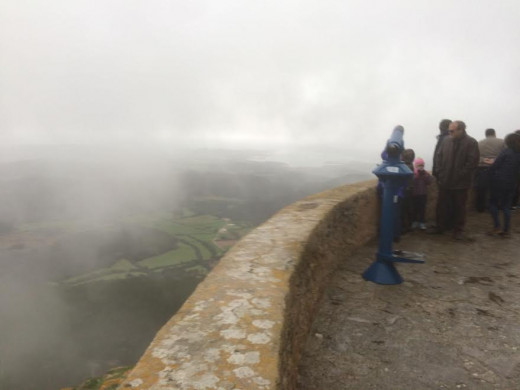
point(382, 272)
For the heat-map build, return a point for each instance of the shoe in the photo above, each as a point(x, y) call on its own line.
point(505, 234)
point(496, 231)
point(460, 236)
point(422, 226)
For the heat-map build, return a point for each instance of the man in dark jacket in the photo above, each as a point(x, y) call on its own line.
point(457, 158)
point(443, 128)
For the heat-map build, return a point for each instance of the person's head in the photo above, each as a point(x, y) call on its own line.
point(443, 125)
point(407, 156)
point(419, 164)
point(513, 141)
point(490, 133)
point(457, 129)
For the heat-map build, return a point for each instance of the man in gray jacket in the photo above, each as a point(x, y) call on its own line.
point(457, 159)
point(489, 148)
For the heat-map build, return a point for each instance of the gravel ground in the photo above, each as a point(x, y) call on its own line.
point(453, 324)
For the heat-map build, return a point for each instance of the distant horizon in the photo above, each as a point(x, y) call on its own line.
point(293, 156)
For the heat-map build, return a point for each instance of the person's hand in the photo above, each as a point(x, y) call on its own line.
point(489, 161)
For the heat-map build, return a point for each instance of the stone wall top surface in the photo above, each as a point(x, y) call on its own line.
point(230, 332)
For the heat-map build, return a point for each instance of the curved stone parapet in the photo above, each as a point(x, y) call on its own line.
point(246, 323)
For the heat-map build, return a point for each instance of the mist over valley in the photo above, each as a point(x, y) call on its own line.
point(98, 250)
point(140, 140)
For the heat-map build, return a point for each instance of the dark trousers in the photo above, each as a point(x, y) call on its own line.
point(451, 209)
point(501, 199)
point(419, 207)
point(481, 188)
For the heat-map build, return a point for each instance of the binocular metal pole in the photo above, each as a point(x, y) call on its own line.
point(393, 174)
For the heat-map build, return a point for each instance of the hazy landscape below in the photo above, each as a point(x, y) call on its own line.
point(99, 248)
point(115, 199)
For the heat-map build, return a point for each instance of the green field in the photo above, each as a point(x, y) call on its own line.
point(194, 250)
point(184, 254)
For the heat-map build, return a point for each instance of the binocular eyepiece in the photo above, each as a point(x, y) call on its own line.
point(395, 144)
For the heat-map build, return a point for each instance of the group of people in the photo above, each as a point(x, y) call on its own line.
point(491, 167)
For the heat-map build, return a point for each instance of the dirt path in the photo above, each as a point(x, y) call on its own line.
point(453, 324)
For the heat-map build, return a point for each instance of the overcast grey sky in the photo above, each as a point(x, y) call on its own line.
point(233, 73)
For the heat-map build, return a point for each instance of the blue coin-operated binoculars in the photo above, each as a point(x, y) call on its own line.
point(393, 174)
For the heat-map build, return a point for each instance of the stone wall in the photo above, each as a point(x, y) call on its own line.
point(246, 323)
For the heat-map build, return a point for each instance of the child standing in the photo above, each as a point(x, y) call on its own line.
point(421, 181)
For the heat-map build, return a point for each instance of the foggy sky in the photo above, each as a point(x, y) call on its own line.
point(273, 73)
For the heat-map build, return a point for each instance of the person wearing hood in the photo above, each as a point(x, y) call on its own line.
point(407, 157)
point(503, 175)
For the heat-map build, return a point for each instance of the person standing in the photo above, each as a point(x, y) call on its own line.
point(489, 148)
point(421, 181)
point(443, 134)
point(457, 158)
point(516, 197)
point(443, 128)
point(407, 157)
point(503, 175)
